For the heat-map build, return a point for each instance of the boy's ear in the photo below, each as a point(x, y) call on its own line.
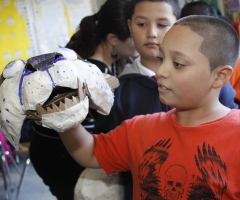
point(112, 39)
point(129, 26)
point(222, 75)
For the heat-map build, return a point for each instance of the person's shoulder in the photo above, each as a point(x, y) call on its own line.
point(131, 68)
point(130, 76)
point(149, 118)
point(230, 124)
point(231, 120)
point(128, 69)
point(139, 85)
point(136, 81)
point(234, 115)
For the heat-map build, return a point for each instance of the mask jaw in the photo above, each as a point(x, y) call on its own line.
point(69, 118)
point(64, 101)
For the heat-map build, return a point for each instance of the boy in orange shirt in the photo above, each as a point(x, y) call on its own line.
point(192, 151)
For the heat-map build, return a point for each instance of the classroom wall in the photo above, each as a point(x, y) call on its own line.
point(32, 27)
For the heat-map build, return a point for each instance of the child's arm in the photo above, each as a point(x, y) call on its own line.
point(80, 144)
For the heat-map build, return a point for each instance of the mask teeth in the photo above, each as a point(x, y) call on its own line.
point(49, 110)
point(61, 106)
point(75, 100)
point(68, 103)
point(40, 110)
point(55, 108)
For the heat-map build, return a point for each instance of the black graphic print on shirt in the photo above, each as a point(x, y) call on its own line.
point(149, 169)
point(175, 179)
point(213, 182)
point(211, 185)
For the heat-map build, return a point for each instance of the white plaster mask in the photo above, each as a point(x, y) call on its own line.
point(56, 89)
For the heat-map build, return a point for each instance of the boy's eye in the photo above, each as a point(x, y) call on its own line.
point(178, 65)
point(141, 24)
point(162, 25)
point(161, 59)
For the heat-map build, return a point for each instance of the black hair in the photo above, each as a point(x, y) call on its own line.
point(226, 19)
point(174, 3)
point(221, 42)
point(198, 8)
point(111, 18)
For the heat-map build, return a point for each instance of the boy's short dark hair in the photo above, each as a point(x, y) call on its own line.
point(174, 3)
point(221, 42)
point(198, 8)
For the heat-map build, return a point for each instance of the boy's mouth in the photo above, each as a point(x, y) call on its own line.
point(162, 88)
point(152, 44)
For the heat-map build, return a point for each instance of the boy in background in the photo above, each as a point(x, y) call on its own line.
point(137, 94)
point(198, 8)
point(192, 151)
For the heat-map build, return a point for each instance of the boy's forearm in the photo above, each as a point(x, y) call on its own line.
point(80, 144)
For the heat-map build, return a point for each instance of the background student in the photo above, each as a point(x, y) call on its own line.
point(101, 39)
point(198, 8)
point(148, 23)
point(185, 155)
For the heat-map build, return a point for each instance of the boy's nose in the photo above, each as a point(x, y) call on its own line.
point(162, 70)
point(152, 32)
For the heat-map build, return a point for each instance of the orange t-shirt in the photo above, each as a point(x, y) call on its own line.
point(172, 161)
point(235, 80)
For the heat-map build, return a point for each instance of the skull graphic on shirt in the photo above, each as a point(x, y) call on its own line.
point(175, 179)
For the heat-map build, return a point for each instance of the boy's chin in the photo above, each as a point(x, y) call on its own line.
point(150, 54)
point(164, 101)
point(168, 103)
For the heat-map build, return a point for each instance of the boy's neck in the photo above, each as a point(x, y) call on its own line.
point(150, 64)
point(201, 115)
